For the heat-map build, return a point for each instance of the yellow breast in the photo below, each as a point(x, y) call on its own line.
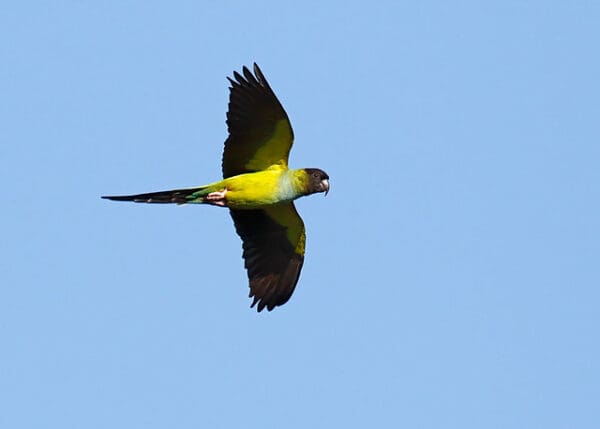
point(263, 188)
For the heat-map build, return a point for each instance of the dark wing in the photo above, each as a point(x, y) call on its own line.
point(260, 133)
point(273, 243)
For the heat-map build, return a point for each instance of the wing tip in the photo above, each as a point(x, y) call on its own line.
point(259, 74)
point(262, 304)
point(249, 78)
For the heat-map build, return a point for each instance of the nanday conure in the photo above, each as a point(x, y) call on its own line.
point(258, 188)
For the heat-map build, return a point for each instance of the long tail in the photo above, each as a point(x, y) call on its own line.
point(177, 196)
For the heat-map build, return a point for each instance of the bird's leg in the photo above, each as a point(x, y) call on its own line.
point(217, 198)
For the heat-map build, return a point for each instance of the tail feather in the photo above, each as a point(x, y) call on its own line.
point(176, 196)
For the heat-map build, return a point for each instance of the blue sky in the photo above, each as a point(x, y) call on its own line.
point(451, 276)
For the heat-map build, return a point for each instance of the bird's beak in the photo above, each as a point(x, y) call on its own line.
point(325, 186)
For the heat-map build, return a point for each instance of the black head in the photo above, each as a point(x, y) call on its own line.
point(318, 180)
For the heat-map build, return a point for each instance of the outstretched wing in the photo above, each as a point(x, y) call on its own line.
point(260, 133)
point(273, 242)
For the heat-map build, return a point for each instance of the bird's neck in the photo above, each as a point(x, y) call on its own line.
point(300, 180)
point(293, 184)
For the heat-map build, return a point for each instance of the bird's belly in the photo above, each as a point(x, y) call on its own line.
point(255, 190)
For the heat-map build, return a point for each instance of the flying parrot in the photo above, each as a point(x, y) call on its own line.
point(258, 188)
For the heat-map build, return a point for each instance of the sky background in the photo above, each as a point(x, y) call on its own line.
point(451, 275)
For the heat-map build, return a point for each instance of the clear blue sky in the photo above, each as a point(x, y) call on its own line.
point(452, 274)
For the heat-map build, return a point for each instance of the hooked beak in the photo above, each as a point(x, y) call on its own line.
point(325, 186)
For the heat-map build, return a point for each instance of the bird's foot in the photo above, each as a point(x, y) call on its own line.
point(217, 198)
